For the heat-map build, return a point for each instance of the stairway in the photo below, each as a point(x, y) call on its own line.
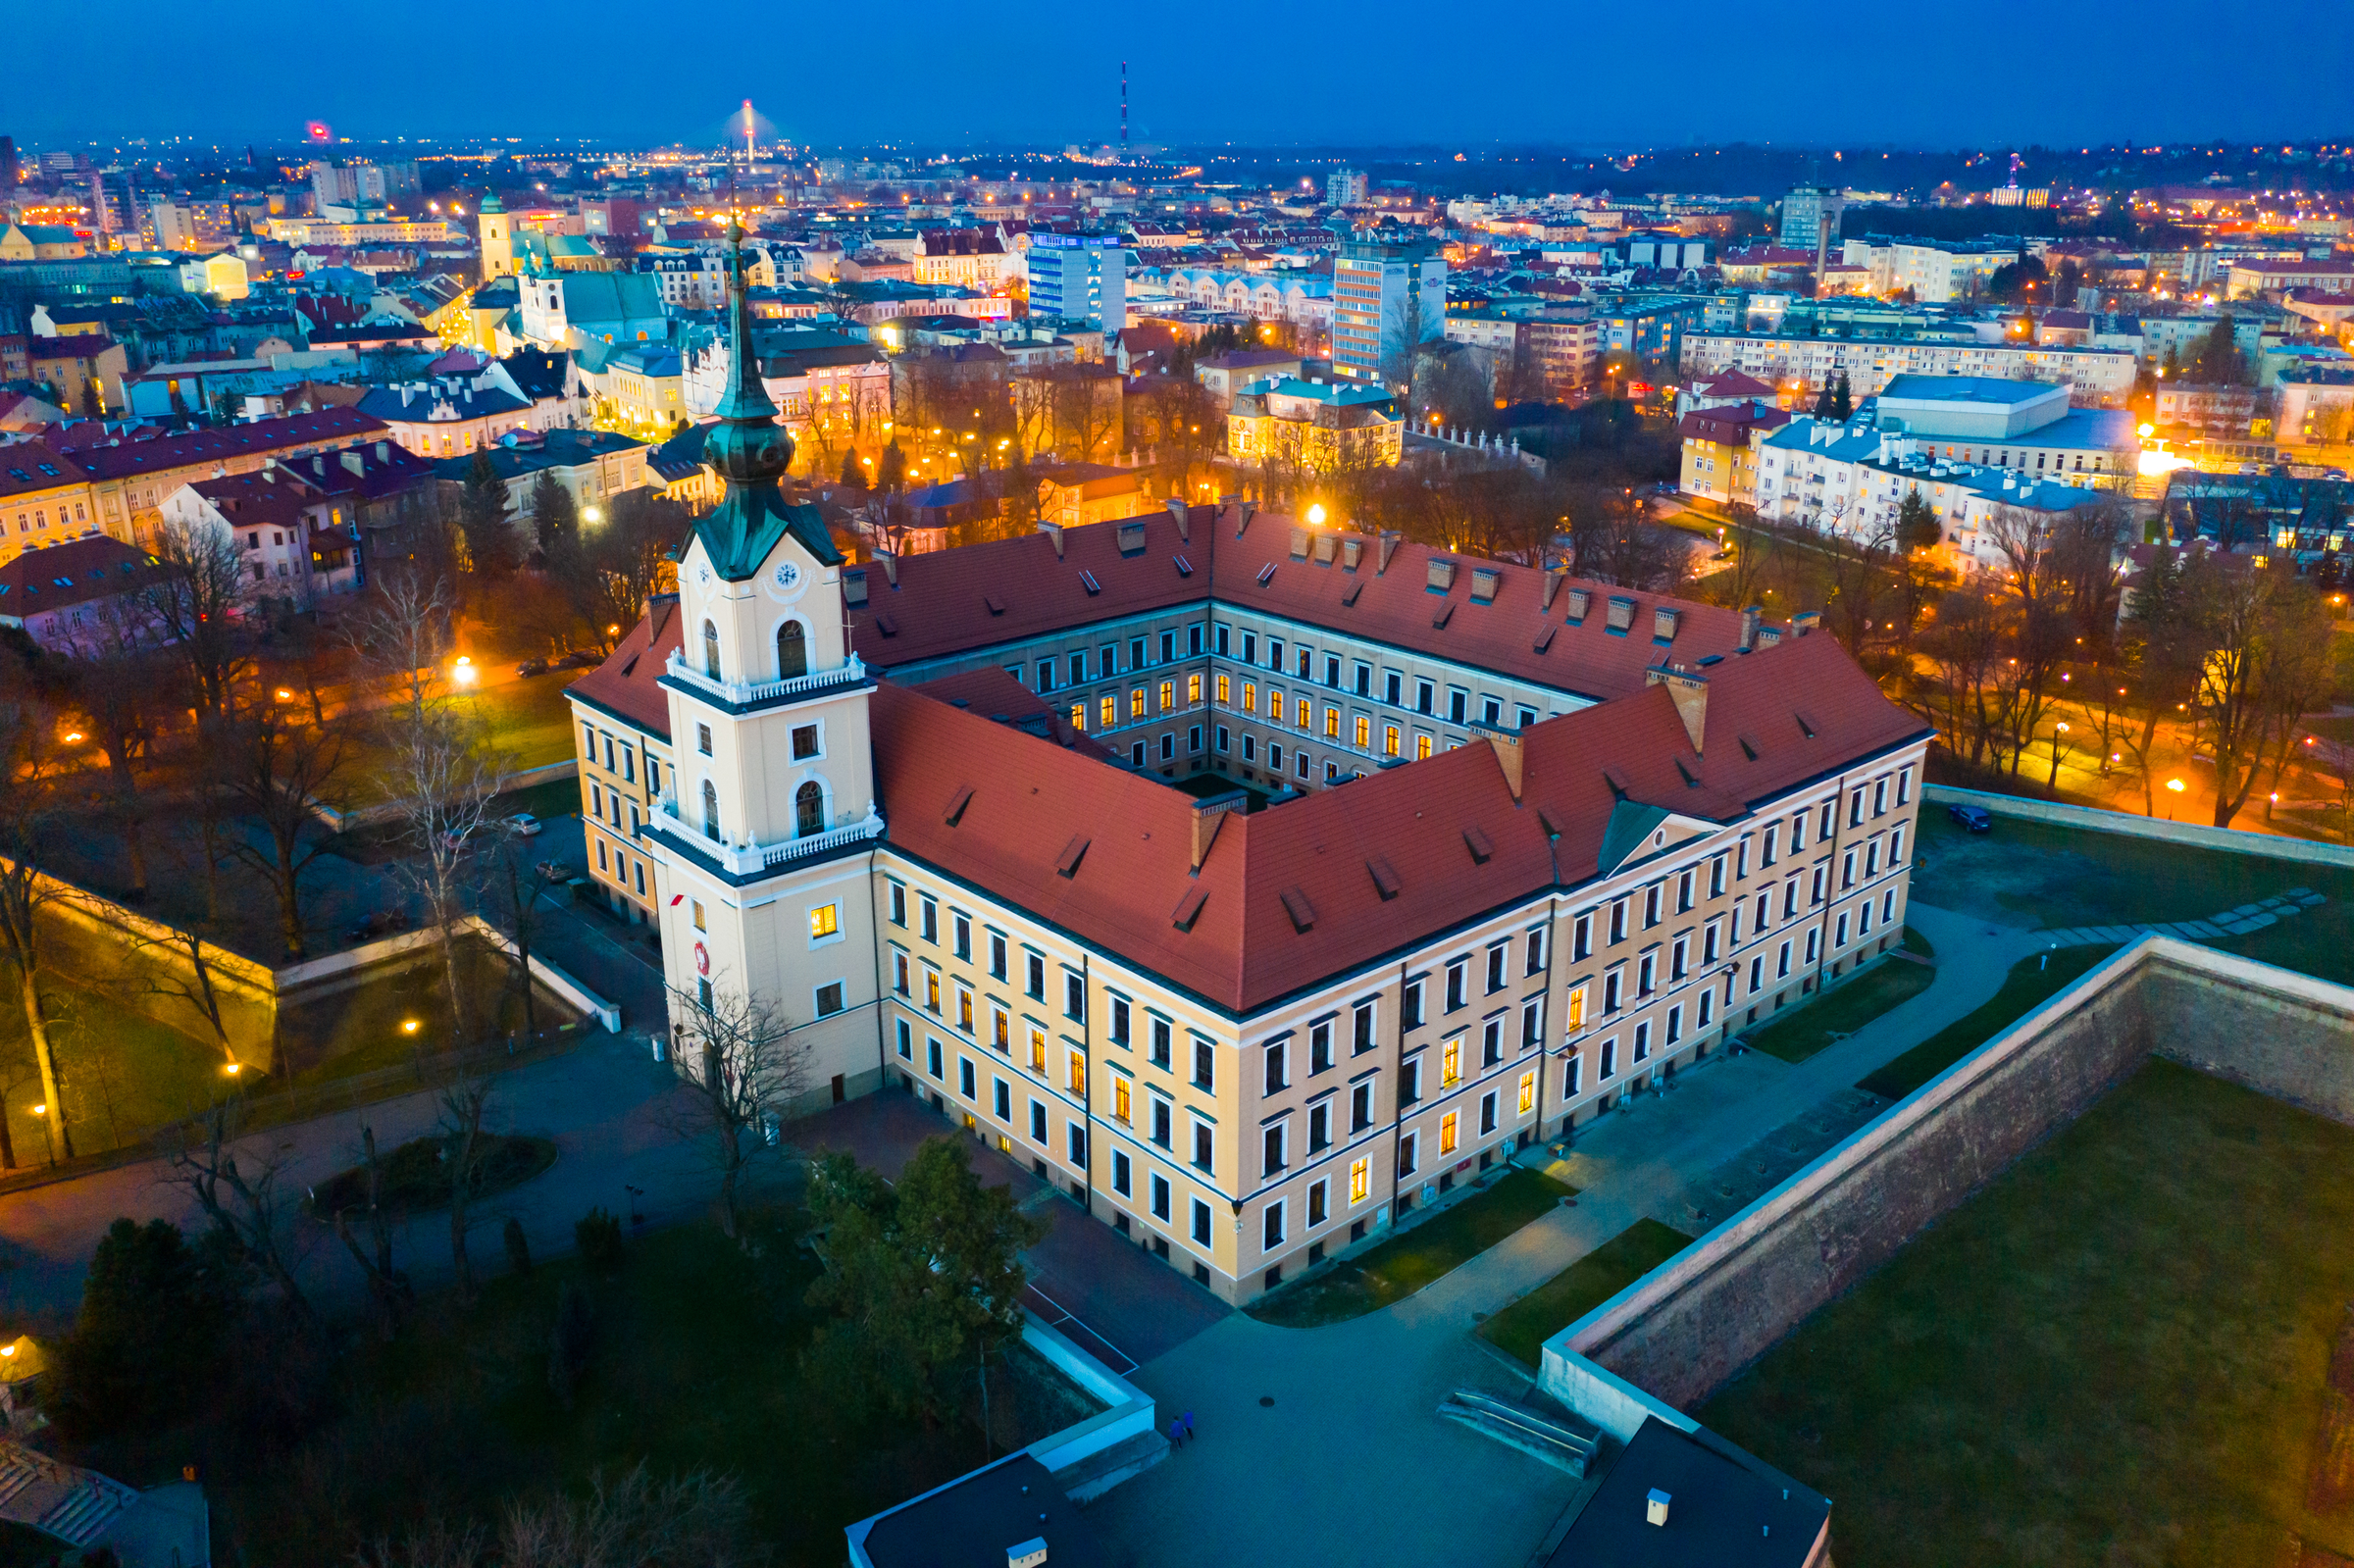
point(74, 1504)
point(1538, 1436)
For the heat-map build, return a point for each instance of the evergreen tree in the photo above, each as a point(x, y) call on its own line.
point(1843, 402)
point(1823, 403)
point(492, 543)
point(1917, 525)
point(891, 475)
point(852, 478)
point(555, 514)
point(2216, 361)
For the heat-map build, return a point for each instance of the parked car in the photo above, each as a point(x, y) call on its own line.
point(531, 667)
point(524, 822)
point(578, 658)
point(1974, 819)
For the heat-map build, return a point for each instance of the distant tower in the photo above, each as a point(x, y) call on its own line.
point(1123, 109)
point(498, 239)
point(747, 134)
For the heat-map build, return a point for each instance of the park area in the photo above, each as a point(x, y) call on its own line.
point(2133, 1348)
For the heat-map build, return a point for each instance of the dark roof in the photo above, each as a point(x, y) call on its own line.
point(540, 373)
point(414, 401)
point(558, 449)
point(29, 465)
point(72, 345)
point(972, 1521)
point(74, 573)
point(1725, 1508)
point(1731, 423)
point(121, 459)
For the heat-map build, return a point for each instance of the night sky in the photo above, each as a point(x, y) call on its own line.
point(1985, 75)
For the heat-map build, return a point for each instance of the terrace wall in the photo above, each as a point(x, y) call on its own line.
point(1687, 1328)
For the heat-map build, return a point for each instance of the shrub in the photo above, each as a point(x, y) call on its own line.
point(148, 1339)
point(597, 1235)
point(519, 1250)
point(569, 1344)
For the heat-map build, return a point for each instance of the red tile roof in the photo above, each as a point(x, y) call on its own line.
point(74, 573)
point(1290, 896)
point(29, 465)
point(122, 459)
point(952, 600)
point(626, 684)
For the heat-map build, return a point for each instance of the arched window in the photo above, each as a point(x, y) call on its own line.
point(710, 809)
point(809, 810)
point(711, 650)
point(792, 650)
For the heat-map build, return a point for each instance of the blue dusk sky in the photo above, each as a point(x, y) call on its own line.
point(1271, 73)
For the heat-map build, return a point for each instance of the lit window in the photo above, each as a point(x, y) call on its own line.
point(1249, 697)
point(825, 920)
point(1422, 748)
point(1365, 733)
point(1192, 689)
point(1136, 702)
point(1168, 695)
point(1361, 1180)
point(1119, 1098)
point(1389, 739)
point(698, 915)
point(1111, 711)
point(1078, 715)
point(1528, 1092)
point(1451, 1064)
point(1225, 689)
point(1038, 1049)
point(1078, 1078)
point(1446, 1133)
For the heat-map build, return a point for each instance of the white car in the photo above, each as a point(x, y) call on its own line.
point(524, 822)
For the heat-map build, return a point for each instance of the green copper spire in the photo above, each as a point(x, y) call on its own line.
point(753, 452)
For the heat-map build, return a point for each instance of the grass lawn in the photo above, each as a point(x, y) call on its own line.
point(695, 1363)
point(334, 1034)
point(2117, 1353)
point(1842, 1010)
point(1412, 1258)
point(124, 1072)
point(529, 718)
point(2031, 982)
point(1523, 1327)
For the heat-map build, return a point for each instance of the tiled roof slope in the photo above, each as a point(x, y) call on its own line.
point(983, 594)
point(1453, 843)
point(626, 685)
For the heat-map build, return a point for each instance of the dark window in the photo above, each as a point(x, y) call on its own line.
point(1496, 961)
point(1409, 1083)
point(809, 810)
point(1119, 1020)
point(1278, 1077)
point(710, 809)
point(829, 999)
point(711, 650)
point(793, 651)
point(1459, 976)
point(804, 741)
point(965, 936)
point(1206, 1065)
point(1203, 1147)
point(1161, 1041)
point(1160, 1123)
point(1038, 1122)
point(1036, 978)
point(1411, 1005)
point(1319, 1126)
point(1361, 1107)
point(1074, 997)
point(1362, 1039)
point(1319, 1047)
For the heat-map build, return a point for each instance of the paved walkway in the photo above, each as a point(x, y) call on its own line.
point(1351, 1452)
point(2231, 923)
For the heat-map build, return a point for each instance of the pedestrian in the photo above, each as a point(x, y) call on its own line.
point(1176, 1433)
point(1187, 1421)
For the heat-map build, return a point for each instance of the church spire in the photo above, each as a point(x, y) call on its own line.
point(752, 453)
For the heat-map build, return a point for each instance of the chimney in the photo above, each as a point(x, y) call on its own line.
point(1053, 530)
point(1243, 512)
point(1389, 548)
point(1806, 620)
point(1663, 624)
point(355, 464)
point(1209, 815)
point(1622, 616)
point(1580, 601)
point(1352, 549)
point(1690, 693)
point(1749, 626)
point(891, 565)
point(1184, 518)
point(1507, 745)
point(1298, 544)
point(1550, 584)
point(383, 451)
point(1655, 1509)
point(1439, 574)
point(1031, 1553)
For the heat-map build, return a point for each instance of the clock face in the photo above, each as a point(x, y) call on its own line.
point(788, 576)
point(787, 581)
point(705, 575)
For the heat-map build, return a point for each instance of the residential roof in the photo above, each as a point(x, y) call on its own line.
point(1732, 383)
point(977, 1520)
point(120, 459)
point(250, 500)
point(1731, 422)
point(72, 345)
point(28, 467)
point(75, 572)
point(556, 449)
point(446, 398)
point(1913, 387)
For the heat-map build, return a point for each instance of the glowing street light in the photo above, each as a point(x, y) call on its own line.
point(463, 671)
point(2175, 784)
point(408, 1026)
point(1315, 515)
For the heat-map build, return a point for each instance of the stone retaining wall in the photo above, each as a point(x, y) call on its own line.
point(2228, 839)
point(1684, 1330)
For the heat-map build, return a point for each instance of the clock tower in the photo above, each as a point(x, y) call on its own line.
point(766, 835)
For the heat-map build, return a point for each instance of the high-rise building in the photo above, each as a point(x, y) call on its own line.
point(1347, 188)
point(8, 163)
point(172, 224)
point(1389, 292)
point(1810, 217)
point(1080, 277)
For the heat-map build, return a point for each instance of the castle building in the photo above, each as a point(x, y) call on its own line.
point(1257, 882)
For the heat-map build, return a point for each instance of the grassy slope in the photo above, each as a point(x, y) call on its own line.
point(1524, 1326)
point(1842, 1010)
point(2114, 1354)
point(2031, 982)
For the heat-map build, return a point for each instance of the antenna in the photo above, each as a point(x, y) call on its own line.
point(1123, 109)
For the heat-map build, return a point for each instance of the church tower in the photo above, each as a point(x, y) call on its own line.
point(766, 833)
point(498, 239)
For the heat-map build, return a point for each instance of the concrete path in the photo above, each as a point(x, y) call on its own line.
point(1349, 1464)
point(2231, 923)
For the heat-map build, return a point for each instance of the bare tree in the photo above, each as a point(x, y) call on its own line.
point(196, 600)
point(187, 973)
point(442, 779)
point(461, 1103)
point(387, 1286)
point(514, 886)
point(401, 629)
point(738, 1059)
point(243, 1202)
point(27, 897)
point(698, 1520)
point(123, 693)
point(278, 766)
